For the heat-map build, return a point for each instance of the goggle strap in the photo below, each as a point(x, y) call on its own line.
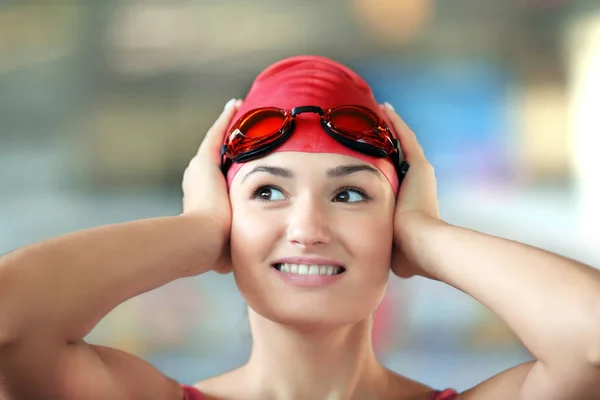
point(225, 166)
point(396, 144)
point(402, 171)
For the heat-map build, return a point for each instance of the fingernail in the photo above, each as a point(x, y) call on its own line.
point(388, 105)
point(230, 104)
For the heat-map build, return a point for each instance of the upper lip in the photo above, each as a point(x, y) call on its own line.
point(308, 260)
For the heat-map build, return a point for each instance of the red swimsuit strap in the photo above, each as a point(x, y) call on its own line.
point(448, 394)
point(191, 393)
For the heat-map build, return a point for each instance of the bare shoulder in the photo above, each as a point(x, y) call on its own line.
point(224, 386)
point(80, 371)
point(136, 375)
point(505, 385)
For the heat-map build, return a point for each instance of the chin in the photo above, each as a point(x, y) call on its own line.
point(309, 322)
point(309, 315)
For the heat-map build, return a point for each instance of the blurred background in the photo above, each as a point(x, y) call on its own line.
point(103, 103)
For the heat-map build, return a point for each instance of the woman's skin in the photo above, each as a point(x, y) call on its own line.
point(308, 342)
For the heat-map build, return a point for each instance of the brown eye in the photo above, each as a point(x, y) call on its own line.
point(350, 196)
point(265, 194)
point(268, 193)
point(342, 197)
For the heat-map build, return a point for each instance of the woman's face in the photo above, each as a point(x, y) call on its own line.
point(311, 237)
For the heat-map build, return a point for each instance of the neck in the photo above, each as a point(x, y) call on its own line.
point(316, 363)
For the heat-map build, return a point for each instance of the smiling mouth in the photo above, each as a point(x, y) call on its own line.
point(309, 269)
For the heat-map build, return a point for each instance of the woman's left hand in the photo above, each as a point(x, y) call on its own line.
point(417, 203)
point(553, 302)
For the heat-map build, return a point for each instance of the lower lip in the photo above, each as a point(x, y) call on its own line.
point(308, 280)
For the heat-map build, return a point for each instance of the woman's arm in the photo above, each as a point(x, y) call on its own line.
point(551, 303)
point(62, 287)
point(53, 293)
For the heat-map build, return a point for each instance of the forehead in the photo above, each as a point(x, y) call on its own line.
point(303, 161)
point(301, 157)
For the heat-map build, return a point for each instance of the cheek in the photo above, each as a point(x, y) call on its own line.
point(369, 238)
point(367, 241)
point(254, 235)
point(251, 235)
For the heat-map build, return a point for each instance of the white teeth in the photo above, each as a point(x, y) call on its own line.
point(310, 269)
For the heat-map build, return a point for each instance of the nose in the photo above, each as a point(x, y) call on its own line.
point(308, 224)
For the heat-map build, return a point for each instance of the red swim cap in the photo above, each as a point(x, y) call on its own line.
point(313, 81)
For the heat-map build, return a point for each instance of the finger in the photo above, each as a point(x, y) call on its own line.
point(216, 133)
point(408, 140)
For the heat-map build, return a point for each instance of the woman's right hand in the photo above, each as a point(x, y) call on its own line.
point(204, 186)
point(96, 270)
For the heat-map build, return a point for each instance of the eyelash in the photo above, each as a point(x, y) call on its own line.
point(260, 187)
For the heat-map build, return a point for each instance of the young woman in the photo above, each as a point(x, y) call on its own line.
point(310, 203)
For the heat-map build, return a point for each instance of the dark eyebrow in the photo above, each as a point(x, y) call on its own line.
point(277, 171)
point(337, 172)
point(345, 170)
